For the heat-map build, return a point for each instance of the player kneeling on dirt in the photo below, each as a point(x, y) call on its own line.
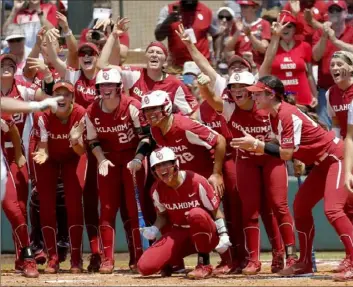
point(189, 204)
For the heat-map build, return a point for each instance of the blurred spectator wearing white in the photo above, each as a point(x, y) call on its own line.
point(251, 33)
point(224, 18)
point(197, 20)
point(335, 36)
point(15, 38)
point(32, 15)
point(190, 73)
point(290, 60)
point(307, 9)
point(234, 6)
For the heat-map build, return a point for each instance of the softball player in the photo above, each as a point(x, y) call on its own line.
point(304, 139)
point(190, 206)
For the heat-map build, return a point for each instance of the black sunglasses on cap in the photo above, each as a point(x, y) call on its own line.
point(228, 18)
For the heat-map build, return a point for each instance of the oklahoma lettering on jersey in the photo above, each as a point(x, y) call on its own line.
point(139, 83)
point(85, 89)
point(296, 130)
point(117, 131)
point(338, 103)
point(48, 128)
point(195, 191)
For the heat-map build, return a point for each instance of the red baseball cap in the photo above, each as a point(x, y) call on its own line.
point(12, 57)
point(340, 3)
point(250, 2)
point(89, 45)
point(64, 84)
point(288, 17)
point(237, 58)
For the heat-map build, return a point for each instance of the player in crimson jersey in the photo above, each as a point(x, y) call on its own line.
point(240, 113)
point(114, 132)
point(304, 139)
point(143, 80)
point(57, 152)
point(339, 99)
point(190, 206)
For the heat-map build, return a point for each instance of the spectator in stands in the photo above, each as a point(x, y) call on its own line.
point(234, 6)
point(224, 18)
point(190, 73)
point(349, 19)
point(32, 15)
point(335, 36)
point(15, 38)
point(298, 8)
point(196, 18)
point(251, 33)
point(290, 60)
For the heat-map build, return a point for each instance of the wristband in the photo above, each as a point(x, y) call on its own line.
point(94, 145)
point(69, 33)
point(144, 148)
point(272, 149)
point(221, 226)
point(48, 87)
point(137, 160)
point(34, 106)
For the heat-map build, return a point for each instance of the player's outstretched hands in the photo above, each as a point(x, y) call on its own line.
point(48, 103)
point(134, 165)
point(216, 180)
point(40, 156)
point(103, 167)
point(246, 142)
point(184, 36)
point(52, 34)
point(277, 27)
point(203, 80)
point(349, 182)
point(77, 131)
point(121, 26)
point(150, 232)
point(224, 243)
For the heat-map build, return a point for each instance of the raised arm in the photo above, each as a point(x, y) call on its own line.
point(196, 55)
point(17, 6)
point(113, 43)
point(163, 24)
point(320, 47)
point(230, 43)
point(277, 29)
point(209, 95)
point(27, 72)
point(71, 42)
point(51, 37)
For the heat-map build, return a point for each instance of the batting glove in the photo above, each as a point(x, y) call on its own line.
point(47, 103)
point(150, 233)
point(134, 165)
point(103, 167)
point(223, 244)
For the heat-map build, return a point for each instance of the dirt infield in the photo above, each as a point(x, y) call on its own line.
point(123, 277)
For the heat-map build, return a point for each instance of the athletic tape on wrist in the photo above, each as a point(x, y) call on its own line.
point(221, 226)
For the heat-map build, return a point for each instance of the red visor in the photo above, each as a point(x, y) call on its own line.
point(259, 87)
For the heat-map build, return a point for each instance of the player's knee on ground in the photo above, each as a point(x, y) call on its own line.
point(145, 266)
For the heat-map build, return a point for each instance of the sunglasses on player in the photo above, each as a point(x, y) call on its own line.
point(228, 18)
point(16, 40)
point(335, 9)
point(89, 53)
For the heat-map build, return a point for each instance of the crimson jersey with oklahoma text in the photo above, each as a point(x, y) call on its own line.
point(297, 131)
point(338, 103)
point(195, 191)
point(290, 68)
point(85, 89)
point(117, 131)
point(139, 83)
point(49, 128)
point(192, 143)
point(21, 91)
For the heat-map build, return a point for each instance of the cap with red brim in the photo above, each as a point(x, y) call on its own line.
point(64, 84)
point(89, 45)
point(259, 87)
